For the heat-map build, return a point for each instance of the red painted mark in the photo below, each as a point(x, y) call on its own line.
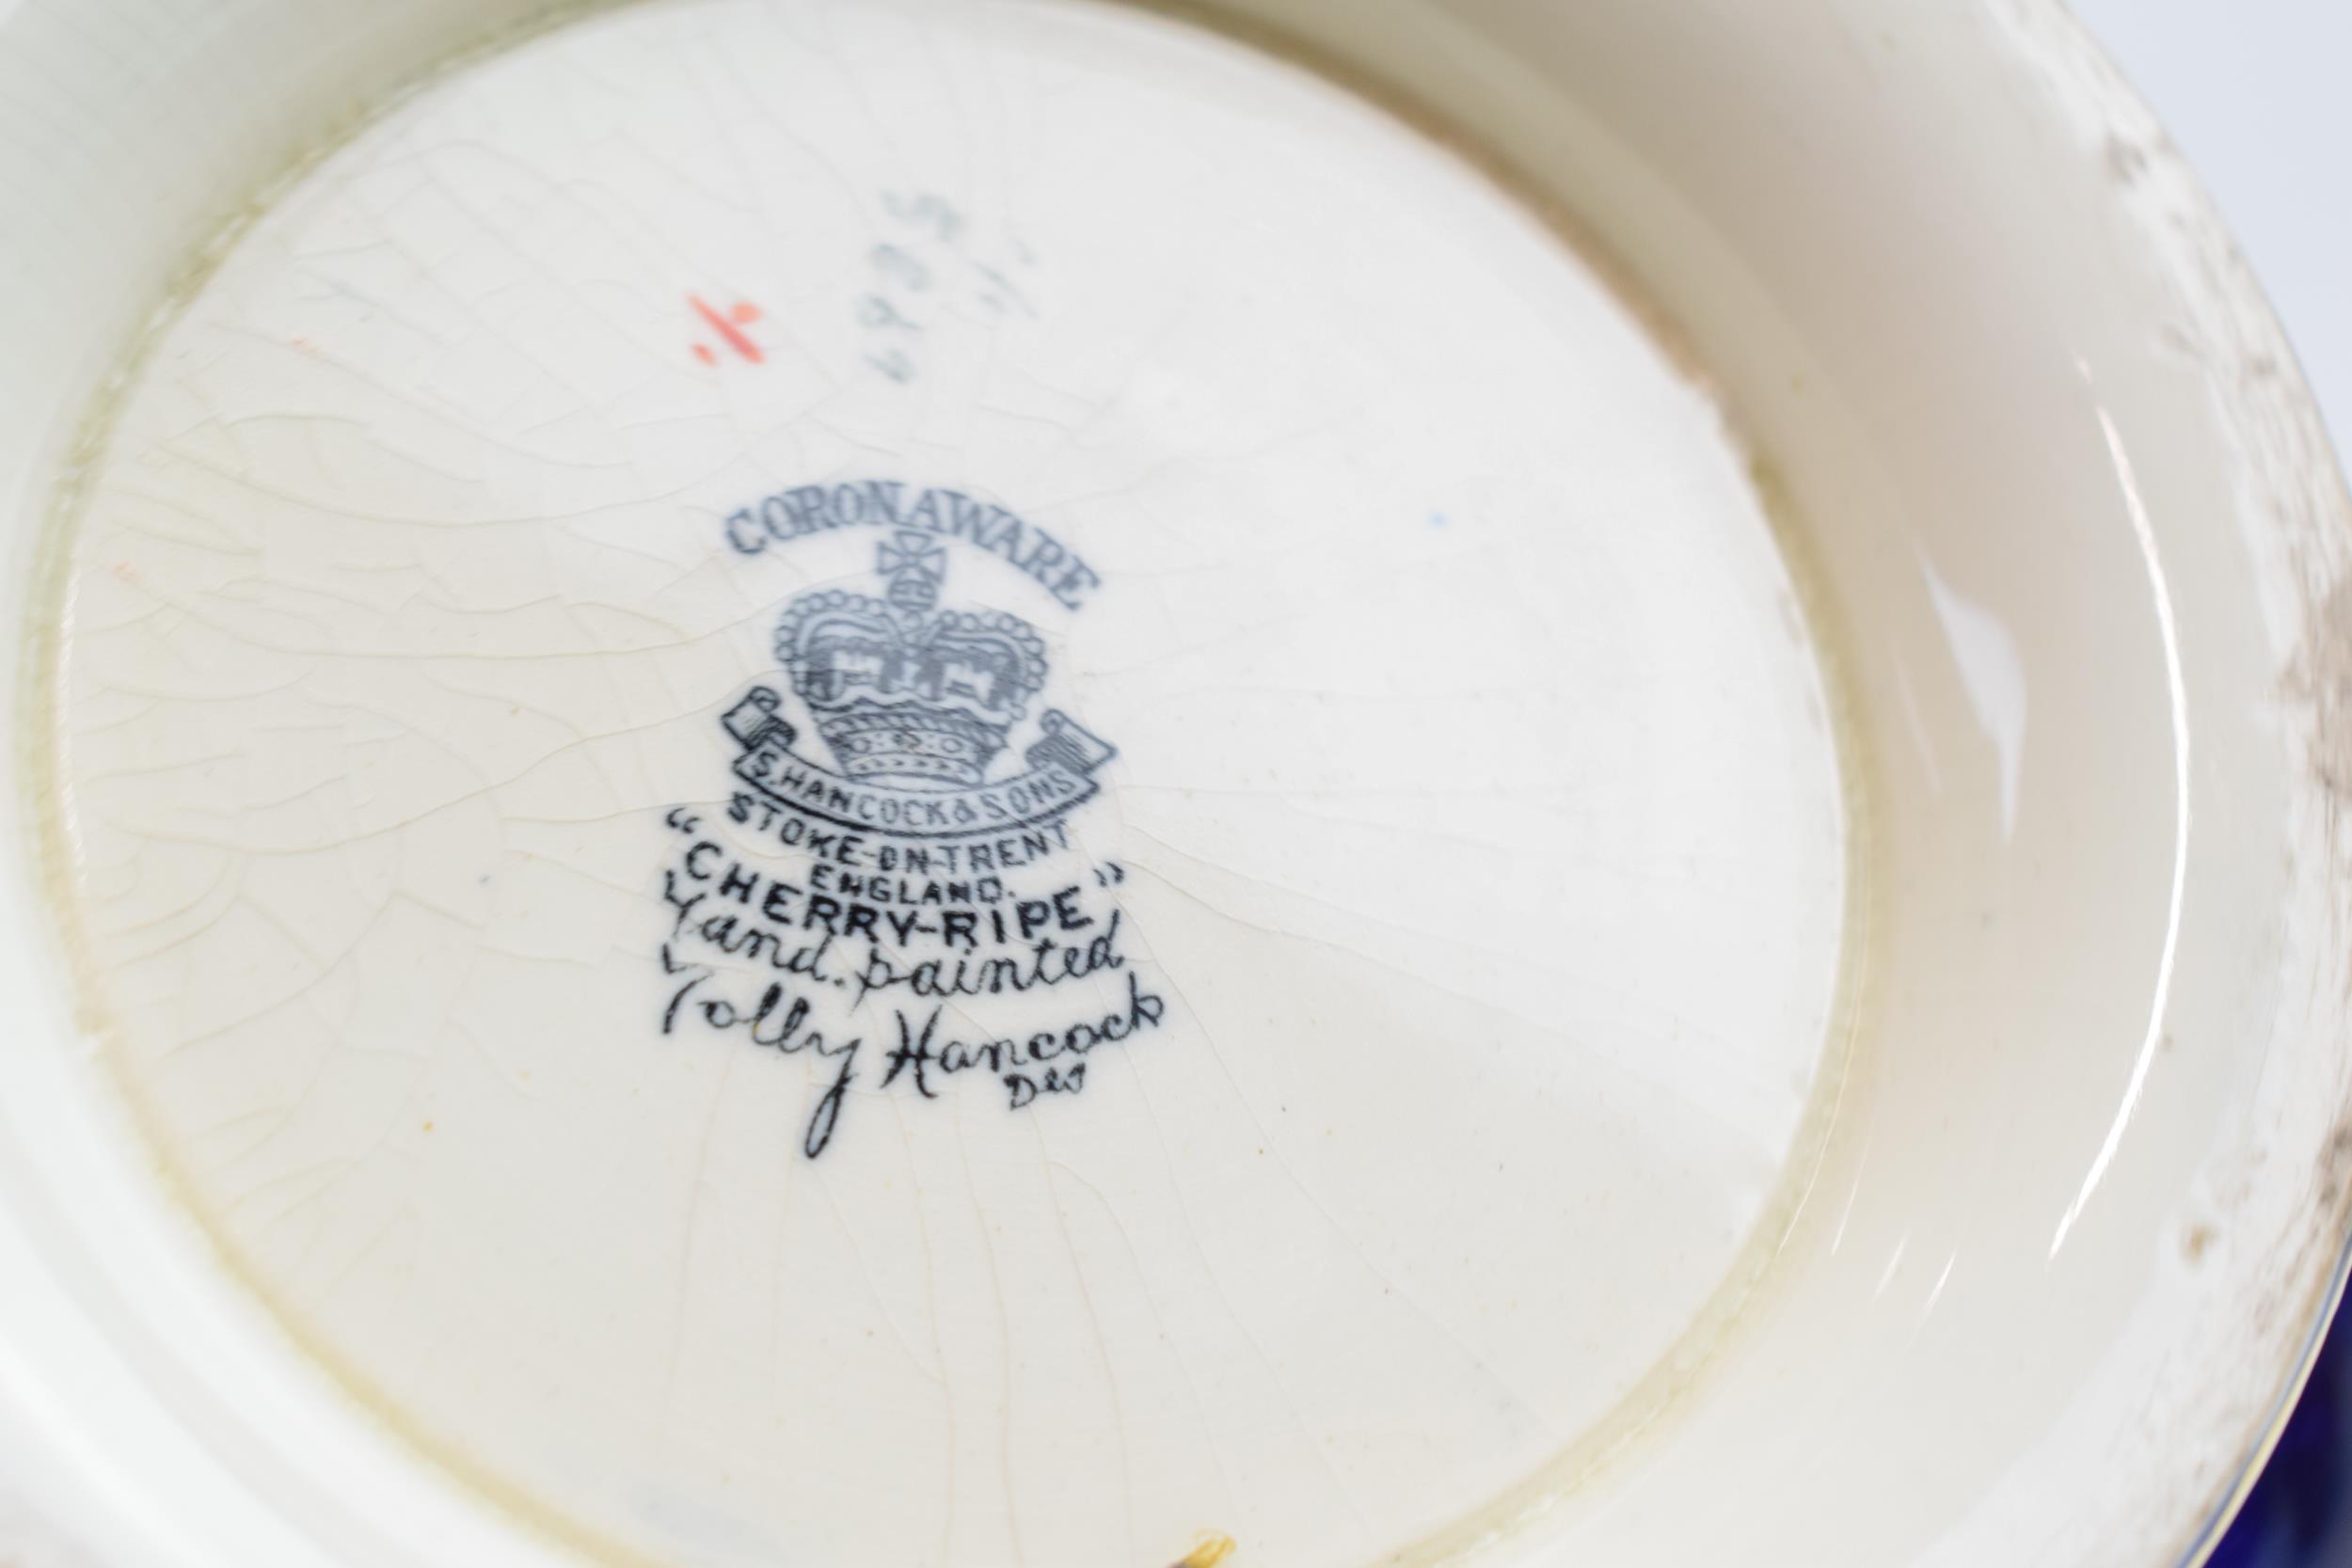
point(727, 329)
point(702, 352)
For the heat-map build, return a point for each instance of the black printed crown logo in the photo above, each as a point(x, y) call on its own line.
point(903, 691)
point(915, 704)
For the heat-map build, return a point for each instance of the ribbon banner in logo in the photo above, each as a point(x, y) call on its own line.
point(1059, 778)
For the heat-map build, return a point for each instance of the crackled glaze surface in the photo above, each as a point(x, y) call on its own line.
point(935, 785)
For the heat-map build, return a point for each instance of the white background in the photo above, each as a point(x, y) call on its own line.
point(2255, 92)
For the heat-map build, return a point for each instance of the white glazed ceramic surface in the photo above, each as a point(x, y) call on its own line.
point(1625, 717)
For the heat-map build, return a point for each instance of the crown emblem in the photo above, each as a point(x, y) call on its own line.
point(902, 690)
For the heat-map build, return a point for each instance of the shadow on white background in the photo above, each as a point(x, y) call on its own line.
point(2255, 92)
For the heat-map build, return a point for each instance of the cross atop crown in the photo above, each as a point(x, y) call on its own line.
point(914, 565)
